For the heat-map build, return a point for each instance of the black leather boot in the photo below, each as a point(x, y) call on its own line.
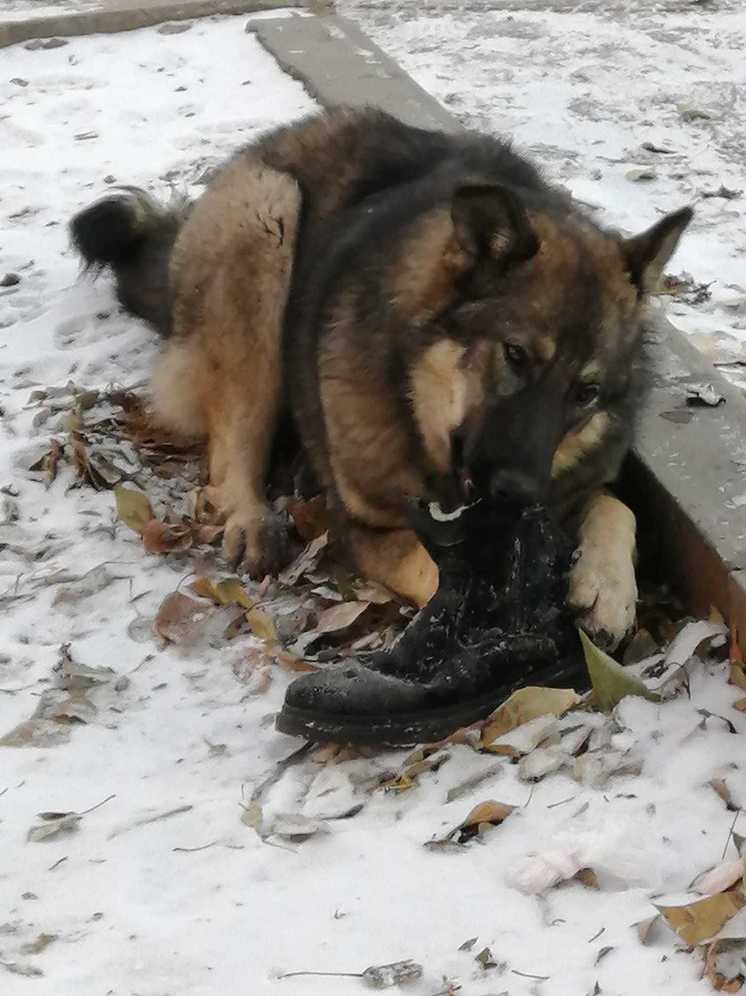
point(497, 622)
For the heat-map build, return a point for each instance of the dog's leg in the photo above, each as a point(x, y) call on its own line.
point(232, 270)
point(395, 558)
point(603, 588)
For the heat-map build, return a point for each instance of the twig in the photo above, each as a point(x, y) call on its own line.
point(56, 864)
point(561, 802)
point(191, 850)
point(596, 936)
point(329, 975)
point(527, 975)
point(730, 833)
point(85, 812)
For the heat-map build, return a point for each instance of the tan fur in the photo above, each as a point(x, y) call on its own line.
point(231, 269)
point(578, 443)
point(423, 274)
point(439, 393)
point(396, 559)
point(602, 583)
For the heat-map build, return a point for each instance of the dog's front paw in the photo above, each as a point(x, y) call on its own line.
point(258, 542)
point(603, 591)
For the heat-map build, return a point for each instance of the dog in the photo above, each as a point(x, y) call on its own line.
point(438, 319)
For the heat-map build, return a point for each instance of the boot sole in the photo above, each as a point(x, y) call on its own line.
point(426, 726)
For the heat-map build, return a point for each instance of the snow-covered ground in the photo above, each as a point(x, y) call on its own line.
point(192, 877)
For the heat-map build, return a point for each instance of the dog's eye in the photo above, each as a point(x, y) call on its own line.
point(586, 395)
point(516, 355)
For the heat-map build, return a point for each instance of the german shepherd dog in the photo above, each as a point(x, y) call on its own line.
point(436, 317)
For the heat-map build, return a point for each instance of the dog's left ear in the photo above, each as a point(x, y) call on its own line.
point(491, 222)
point(647, 254)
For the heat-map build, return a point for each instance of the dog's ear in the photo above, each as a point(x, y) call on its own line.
point(491, 222)
point(646, 255)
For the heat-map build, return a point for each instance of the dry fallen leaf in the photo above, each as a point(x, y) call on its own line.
point(305, 561)
point(525, 705)
point(725, 965)
point(179, 618)
point(133, 508)
point(339, 616)
point(230, 591)
point(309, 517)
point(54, 828)
point(698, 922)
point(482, 817)
point(611, 682)
point(737, 675)
point(164, 537)
point(720, 878)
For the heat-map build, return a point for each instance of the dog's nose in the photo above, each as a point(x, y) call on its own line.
point(515, 486)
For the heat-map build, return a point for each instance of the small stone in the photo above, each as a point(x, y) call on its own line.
point(641, 174)
point(122, 683)
point(19, 81)
point(85, 136)
point(10, 280)
point(180, 89)
point(37, 43)
point(110, 179)
point(174, 27)
point(689, 113)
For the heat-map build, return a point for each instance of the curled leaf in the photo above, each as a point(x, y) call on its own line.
point(162, 537)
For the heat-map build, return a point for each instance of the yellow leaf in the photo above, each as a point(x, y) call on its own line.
point(133, 508)
point(490, 812)
point(740, 704)
point(699, 922)
point(737, 675)
point(527, 704)
point(262, 625)
point(227, 592)
point(611, 682)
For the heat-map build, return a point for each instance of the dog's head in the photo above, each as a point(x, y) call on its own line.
point(531, 334)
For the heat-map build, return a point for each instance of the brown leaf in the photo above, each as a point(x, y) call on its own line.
point(737, 675)
point(179, 618)
point(305, 561)
point(38, 945)
point(721, 787)
point(230, 591)
point(645, 928)
point(99, 473)
point(588, 878)
point(310, 517)
point(163, 537)
point(133, 508)
point(740, 704)
point(339, 616)
point(482, 817)
point(698, 922)
point(732, 951)
point(719, 879)
point(527, 704)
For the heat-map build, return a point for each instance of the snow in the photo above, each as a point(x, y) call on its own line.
point(164, 889)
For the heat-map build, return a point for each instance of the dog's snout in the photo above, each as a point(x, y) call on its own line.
point(515, 486)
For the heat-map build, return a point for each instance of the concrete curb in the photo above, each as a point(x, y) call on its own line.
point(126, 15)
point(686, 478)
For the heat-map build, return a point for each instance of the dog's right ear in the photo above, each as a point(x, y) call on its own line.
point(491, 222)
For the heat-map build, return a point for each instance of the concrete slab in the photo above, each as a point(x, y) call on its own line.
point(338, 63)
point(686, 477)
point(109, 16)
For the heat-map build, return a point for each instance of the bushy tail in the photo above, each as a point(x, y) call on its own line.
point(133, 235)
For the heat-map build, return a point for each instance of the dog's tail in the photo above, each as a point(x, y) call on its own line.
point(133, 235)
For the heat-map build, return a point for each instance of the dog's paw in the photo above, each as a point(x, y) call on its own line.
point(603, 592)
point(257, 542)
